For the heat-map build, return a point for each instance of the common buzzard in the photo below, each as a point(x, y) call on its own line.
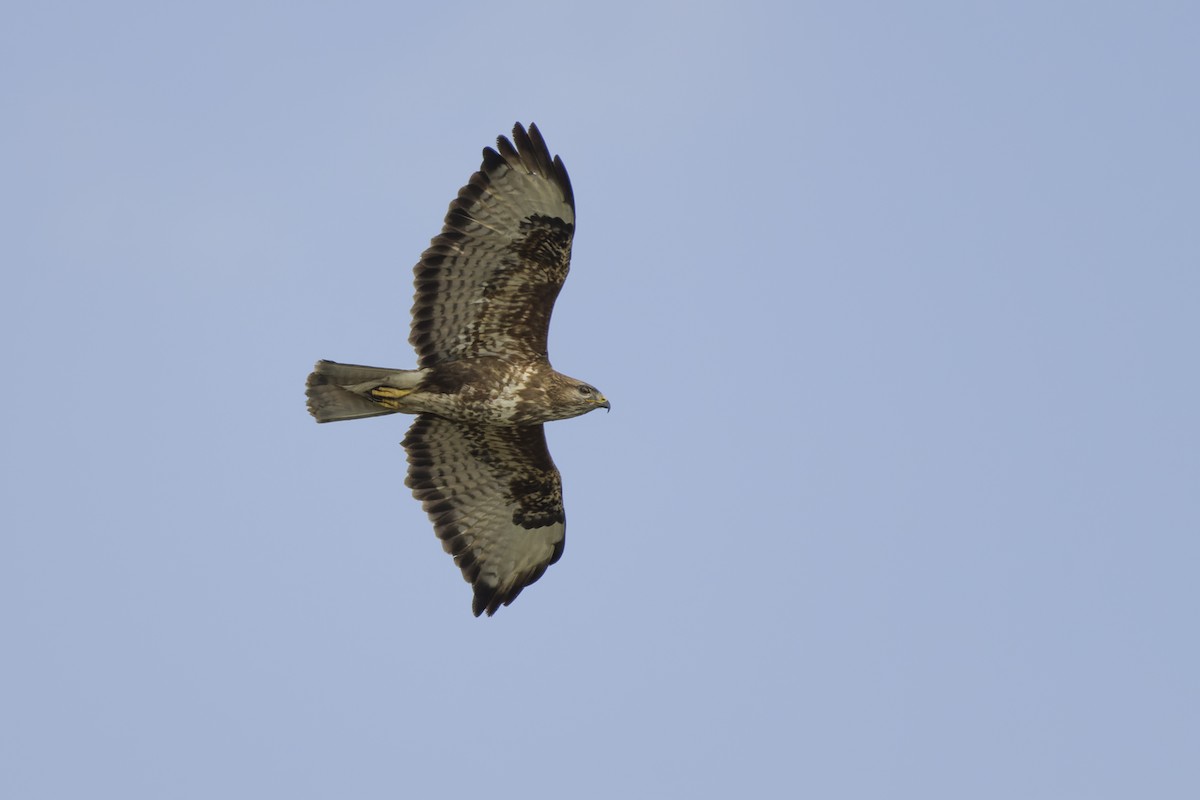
point(485, 288)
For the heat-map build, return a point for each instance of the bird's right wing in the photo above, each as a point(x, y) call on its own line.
point(495, 499)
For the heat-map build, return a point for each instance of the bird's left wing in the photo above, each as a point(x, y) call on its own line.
point(495, 499)
point(487, 283)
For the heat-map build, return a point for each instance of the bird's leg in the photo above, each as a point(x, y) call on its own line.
point(389, 397)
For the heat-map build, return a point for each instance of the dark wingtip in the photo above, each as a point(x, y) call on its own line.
point(485, 600)
point(529, 148)
point(492, 159)
point(488, 599)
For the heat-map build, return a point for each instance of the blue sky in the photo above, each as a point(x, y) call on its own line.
point(897, 306)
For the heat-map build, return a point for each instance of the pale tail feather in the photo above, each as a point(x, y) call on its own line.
point(341, 391)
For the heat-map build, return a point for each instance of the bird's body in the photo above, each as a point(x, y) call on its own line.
point(477, 453)
point(485, 390)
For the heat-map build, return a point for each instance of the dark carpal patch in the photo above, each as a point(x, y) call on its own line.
point(547, 243)
point(538, 501)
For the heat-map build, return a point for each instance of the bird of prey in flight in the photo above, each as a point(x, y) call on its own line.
point(483, 386)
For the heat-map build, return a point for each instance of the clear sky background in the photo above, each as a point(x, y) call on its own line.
point(897, 305)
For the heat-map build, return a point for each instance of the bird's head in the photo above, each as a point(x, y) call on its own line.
point(576, 397)
point(591, 398)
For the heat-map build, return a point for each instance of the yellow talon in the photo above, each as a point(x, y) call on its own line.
point(388, 396)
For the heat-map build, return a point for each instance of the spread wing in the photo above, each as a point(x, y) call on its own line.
point(487, 283)
point(495, 499)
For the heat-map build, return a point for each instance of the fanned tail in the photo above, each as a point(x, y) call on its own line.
point(350, 391)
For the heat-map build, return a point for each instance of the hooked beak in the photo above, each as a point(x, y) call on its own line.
point(602, 402)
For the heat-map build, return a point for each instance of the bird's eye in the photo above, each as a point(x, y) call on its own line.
point(585, 390)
